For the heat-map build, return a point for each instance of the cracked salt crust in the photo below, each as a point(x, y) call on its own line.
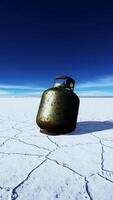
point(16, 146)
point(61, 184)
point(35, 166)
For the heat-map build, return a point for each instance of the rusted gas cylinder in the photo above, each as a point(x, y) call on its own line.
point(58, 108)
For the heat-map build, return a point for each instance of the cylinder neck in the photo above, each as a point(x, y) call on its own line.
point(64, 82)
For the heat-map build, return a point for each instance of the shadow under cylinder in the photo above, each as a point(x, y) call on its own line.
point(58, 109)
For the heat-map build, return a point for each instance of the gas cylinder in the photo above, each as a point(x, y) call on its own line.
point(58, 109)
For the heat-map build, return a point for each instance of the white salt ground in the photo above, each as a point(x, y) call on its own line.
point(76, 166)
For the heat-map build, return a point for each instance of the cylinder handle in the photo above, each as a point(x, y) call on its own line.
point(68, 82)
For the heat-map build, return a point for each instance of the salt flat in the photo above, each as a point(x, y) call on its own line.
point(76, 166)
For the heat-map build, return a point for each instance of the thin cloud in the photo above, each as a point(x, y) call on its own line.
point(15, 94)
point(95, 93)
point(20, 90)
point(2, 92)
point(32, 93)
point(20, 87)
point(101, 82)
point(99, 87)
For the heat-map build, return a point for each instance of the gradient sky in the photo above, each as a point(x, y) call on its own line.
point(42, 39)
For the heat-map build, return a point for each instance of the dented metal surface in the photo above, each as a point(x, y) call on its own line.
point(58, 109)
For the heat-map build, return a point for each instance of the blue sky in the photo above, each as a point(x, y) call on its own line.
point(42, 39)
point(101, 86)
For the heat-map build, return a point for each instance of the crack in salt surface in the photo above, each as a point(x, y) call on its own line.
point(107, 146)
point(17, 129)
point(75, 172)
point(52, 141)
point(14, 195)
point(22, 154)
point(104, 177)
point(87, 188)
point(64, 165)
point(14, 192)
point(21, 141)
point(78, 144)
point(102, 157)
point(102, 153)
point(3, 143)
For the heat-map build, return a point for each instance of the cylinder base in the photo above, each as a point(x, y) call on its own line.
point(55, 133)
